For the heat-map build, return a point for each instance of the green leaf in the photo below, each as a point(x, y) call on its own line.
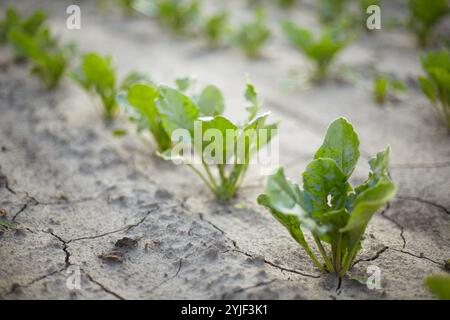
point(226, 130)
point(99, 71)
point(289, 221)
point(439, 285)
point(210, 101)
point(143, 98)
point(132, 78)
point(368, 202)
point(325, 187)
point(49, 60)
point(251, 97)
point(119, 132)
point(177, 110)
point(252, 35)
point(183, 84)
point(282, 193)
point(378, 170)
point(341, 144)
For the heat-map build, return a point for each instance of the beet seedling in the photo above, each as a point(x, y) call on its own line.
point(439, 285)
point(330, 11)
point(139, 101)
point(383, 86)
point(436, 84)
point(251, 36)
point(215, 28)
point(177, 14)
point(49, 59)
point(97, 75)
point(321, 50)
point(327, 205)
point(29, 26)
point(425, 15)
point(223, 149)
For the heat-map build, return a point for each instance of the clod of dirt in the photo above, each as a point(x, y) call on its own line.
point(151, 244)
point(112, 256)
point(126, 242)
point(163, 194)
point(3, 213)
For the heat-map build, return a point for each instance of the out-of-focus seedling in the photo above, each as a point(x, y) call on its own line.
point(202, 118)
point(251, 36)
point(49, 59)
point(385, 86)
point(327, 205)
point(425, 15)
point(436, 84)
point(215, 28)
point(321, 50)
point(285, 4)
point(29, 25)
point(330, 11)
point(139, 102)
point(178, 15)
point(97, 75)
point(439, 285)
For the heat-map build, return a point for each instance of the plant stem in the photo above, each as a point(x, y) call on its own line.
point(324, 254)
point(221, 168)
point(202, 177)
point(338, 262)
point(208, 172)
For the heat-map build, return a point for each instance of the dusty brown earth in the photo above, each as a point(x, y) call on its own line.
point(136, 227)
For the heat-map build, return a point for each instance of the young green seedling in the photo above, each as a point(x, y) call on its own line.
point(178, 15)
point(139, 101)
point(49, 59)
point(327, 205)
point(321, 50)
point(251, 36)
point(223, 149)
point(215, 28)
point(285, 4)
point(439, 285)
point(436, 84)
point(29, 25)
point(330, 11)
point(424, 16)
point(384, 86)
point(97, 75)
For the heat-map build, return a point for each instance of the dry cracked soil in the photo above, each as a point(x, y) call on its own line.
point(83, 202)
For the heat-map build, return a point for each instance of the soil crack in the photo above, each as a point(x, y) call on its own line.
point(431, 203)
point(278, 266)
point(107, 290)
point(260, 284)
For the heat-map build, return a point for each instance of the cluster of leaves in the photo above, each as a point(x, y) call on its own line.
point(321, 50)
point(50, 59)
point(252, 35)
point(436, 84)
point(439, 285)
point(330, 11)
point(97, 75)
point(383, 86)
point(215, 28)
point(29, 25)
point(164, 110)
point(328, 206)
point(425, 15)
point(178, 15)
point(286, 3)
point(32, 40)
